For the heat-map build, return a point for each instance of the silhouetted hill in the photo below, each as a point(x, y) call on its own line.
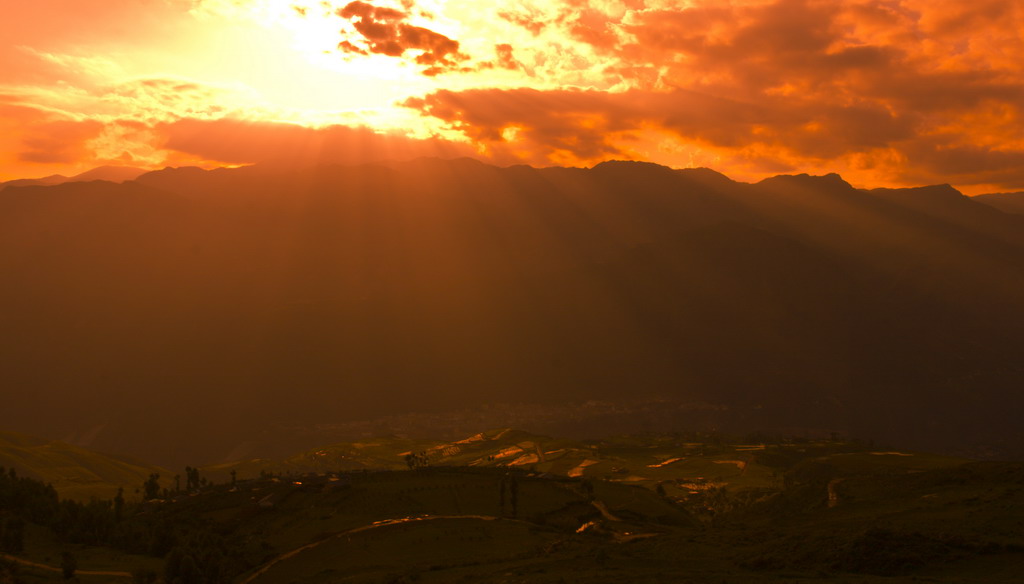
point(76, 473)
point(108, 173)
point(190, 310)
point(53, 179)
point(1006, 202)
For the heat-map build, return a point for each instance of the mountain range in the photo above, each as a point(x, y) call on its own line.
point(107, 173)
point(187, 311)
point(1008, 202)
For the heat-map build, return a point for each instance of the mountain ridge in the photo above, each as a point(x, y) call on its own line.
point(1006, 202)
point(252, 296)
point(107, 172)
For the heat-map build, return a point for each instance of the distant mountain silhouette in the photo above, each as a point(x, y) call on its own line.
point(108, 173)
point(53, 179)
point(187, 308)
point(1006, 202)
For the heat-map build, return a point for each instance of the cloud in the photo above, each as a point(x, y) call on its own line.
point(31, 137)
point(890, 90)
point(884, 91)
point(587, 123)
point(69, 127)
point(62, 142)
point(504, 59)
point(384, 31)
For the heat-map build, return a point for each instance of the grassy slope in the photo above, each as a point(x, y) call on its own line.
point(898, 514)
point(75, 472)
point(732, 513)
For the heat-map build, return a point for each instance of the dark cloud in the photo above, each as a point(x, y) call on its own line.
point(504, 59)
point(348, 47)
point(933, 157)
point(587, 124)
point(385, 31)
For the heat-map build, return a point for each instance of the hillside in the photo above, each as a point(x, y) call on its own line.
point(76, 473)
point(237, 302)
point(687, 508)
point(1007, 202)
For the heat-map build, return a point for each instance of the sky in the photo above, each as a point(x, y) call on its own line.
point(884, 92)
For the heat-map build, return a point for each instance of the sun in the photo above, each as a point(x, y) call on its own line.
point(285, 54)
point(322, 62)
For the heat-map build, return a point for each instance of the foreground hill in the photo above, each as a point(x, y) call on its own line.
point(686, 509)
point(76, 473)
point(190, 311)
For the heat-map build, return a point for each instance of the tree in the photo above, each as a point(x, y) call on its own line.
point(192, 480)
point(417, 460)
point(151, 488)
point(119, 504)
point(513, 485)
point(68, 565)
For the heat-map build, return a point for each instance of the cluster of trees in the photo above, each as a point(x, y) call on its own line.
point(193, 482)
point(195, 551)
point(417, 460)
point(23, 500)
point(25, 497)
point(151, 488)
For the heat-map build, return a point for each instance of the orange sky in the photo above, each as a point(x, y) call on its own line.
point(885, 92)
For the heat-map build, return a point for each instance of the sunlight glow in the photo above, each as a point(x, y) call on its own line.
point(303, 76)
point(756, 87)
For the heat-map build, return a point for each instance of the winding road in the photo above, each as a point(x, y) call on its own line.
point(30, 563)
point(386, 523)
